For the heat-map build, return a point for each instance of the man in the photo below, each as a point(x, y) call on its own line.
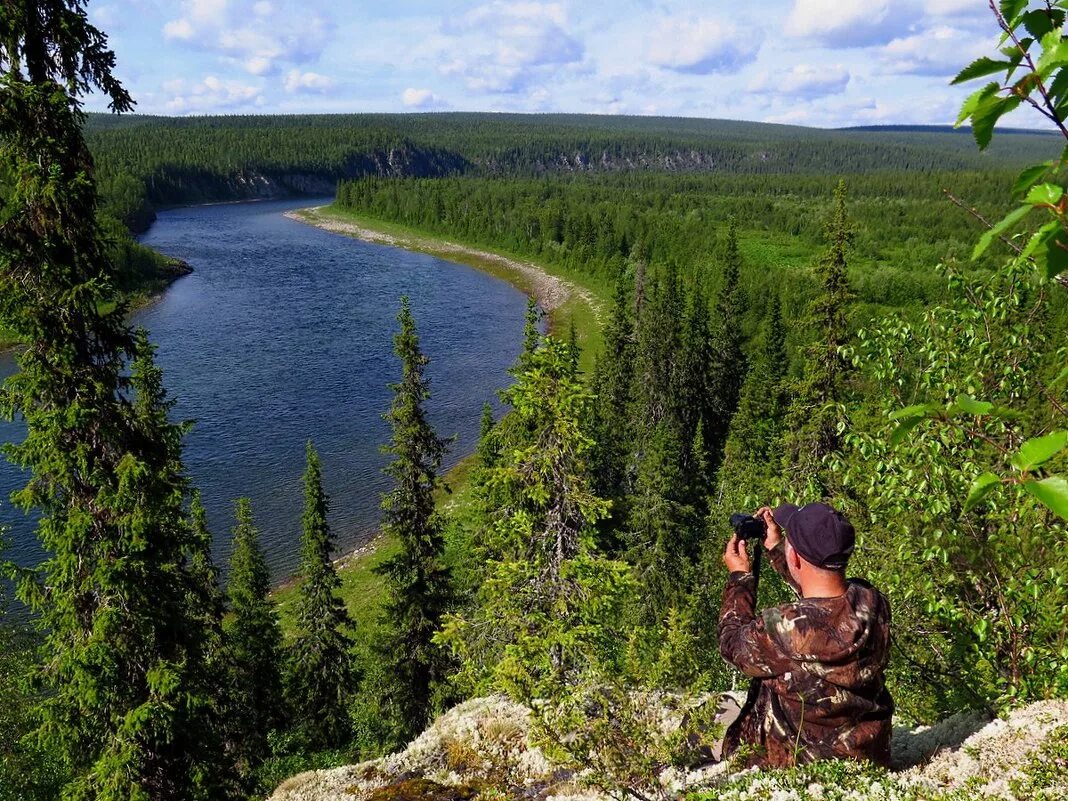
point(817, 664)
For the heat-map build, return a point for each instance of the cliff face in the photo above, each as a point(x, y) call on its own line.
point(480, 749)
point(176, 185)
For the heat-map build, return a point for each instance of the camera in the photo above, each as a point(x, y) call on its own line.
point(748, 527)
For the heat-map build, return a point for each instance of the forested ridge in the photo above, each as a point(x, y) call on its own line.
point(144, 162)
point(814, 320)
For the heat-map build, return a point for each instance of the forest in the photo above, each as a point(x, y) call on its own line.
point(872, 318)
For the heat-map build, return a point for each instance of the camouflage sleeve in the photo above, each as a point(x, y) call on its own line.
point(777, 557)
point(743, 639)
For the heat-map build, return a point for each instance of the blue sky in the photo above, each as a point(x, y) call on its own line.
point(810, 62)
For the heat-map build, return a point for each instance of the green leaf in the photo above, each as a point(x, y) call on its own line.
point(1055, 257)
point(1044, 195)
point(1057, 87)
point(981, 487)
point(1010, 10)
point(1039, 450)
point(1052, 492)
point(969, 405)
point(919, 411)
point(903, 429)
point(980, 68)
point(1054, 53)
point(990, 110)
point(1026, 179)
point(1063, 375)
point(1037, 23)
point(1039, 238)
point(1010, 220)
point(972, 102)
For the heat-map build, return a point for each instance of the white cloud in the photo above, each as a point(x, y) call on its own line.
point(421, 99)
point(258, 36)
point(308, 82)
point(847, 23)
point(700, 45)
point(181, 29)
point(941, 52)
point(508, 47)
point(803, 81)
point(211, 94)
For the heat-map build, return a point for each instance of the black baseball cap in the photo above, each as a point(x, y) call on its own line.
point(820, 533)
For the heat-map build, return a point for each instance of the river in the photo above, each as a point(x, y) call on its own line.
point(283, 334)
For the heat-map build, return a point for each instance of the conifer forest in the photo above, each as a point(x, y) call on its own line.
point(874, 317)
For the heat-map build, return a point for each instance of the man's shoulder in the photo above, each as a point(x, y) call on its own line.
point(862, 607)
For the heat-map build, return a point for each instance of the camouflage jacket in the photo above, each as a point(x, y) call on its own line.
point(817, 666)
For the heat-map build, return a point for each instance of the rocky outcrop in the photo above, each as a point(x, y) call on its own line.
point(481, 748)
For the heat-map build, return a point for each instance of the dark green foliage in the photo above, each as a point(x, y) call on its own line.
point(545, 588)
point(418, 582)
point(208, 597)
point(319, 675)
point(488, 448)
point(728, 363)
point(28, 772)
point(816, 418)
point(753, 453)
point(253, 640)
point(127, 698)
point(155, 160)
point(663, 525)
point(613, 383)
point(531, 332)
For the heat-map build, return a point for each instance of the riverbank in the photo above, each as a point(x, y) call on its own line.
point(564, 300)
point(566, 303)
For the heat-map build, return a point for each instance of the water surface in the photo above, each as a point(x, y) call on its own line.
point(283, 334)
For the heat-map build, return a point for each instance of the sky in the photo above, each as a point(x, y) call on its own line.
point(826, 63)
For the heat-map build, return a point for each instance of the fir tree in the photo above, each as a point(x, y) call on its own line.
point(319, 676)
point(488, 449)
point(126, 695)
point(531, 332)
point(816, 416)
point(728, 366)
point(417, 580)
point(696, 398)
point(534, 626)
point(663, 531)
point(253, 646)
point(614, 380)
point(755, 443)
point(209, 597)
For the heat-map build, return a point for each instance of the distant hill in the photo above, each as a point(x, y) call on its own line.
point(146, 161)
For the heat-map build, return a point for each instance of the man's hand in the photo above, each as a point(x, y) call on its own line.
point(736, 558)
point(774, 535)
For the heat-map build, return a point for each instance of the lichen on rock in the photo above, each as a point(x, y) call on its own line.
point(480, 749)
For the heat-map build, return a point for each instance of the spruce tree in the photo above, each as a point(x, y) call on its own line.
point(319, 676)
point(488, 449)
point(208, 597)
point(253, 646)
point(541, 611)
point(728, 364)
point(613, 382)
point(416, 578)
point(122, 669)
point(531, 332)
point(817, 416)
point(756, 430)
